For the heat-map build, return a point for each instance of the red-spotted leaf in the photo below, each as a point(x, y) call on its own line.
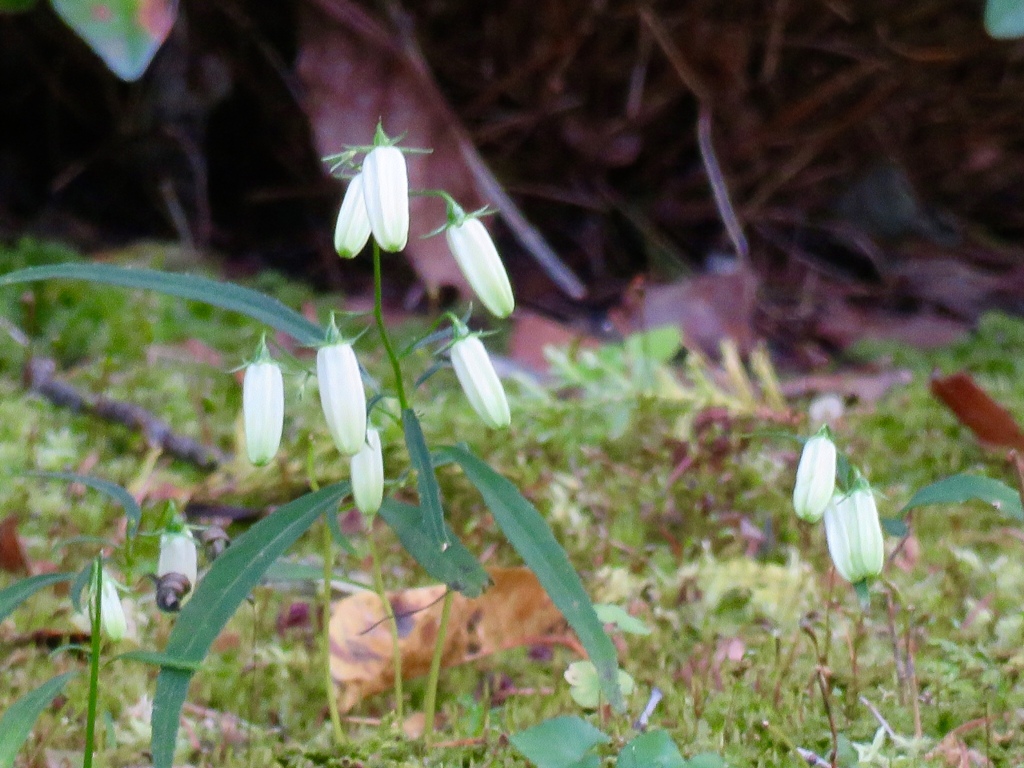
point(124, 33)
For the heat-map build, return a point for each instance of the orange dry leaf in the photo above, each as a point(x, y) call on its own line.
point(992, 424)
point(514, 611)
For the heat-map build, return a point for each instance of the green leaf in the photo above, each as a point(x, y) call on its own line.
point(229, 581)
point(426, 480)
point(228, 296)
point(585, 688)
point(455, 566)
point(1004, 19)
point(527, 531)
point(958, 489)
point(159, 660)
point(654, 749)
point(560, 742)
point(16, 6)
point(20, 591)
point(131, 507)
point(124, 33)
point(621, 620)
point(17, 722)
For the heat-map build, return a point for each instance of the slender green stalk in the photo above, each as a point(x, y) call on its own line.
point(378, 582)
point(94, 663)
point(325, 636)
point(378, 315)
point(430, 702)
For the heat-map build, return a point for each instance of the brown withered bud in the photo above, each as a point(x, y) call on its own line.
point(171, 589)
point(215, 541)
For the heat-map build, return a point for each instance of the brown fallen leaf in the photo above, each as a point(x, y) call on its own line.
point(992, 424)
point(12, 554)
point(514, 611)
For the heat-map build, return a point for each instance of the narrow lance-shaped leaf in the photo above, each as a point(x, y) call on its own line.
point(131, 507)
point(228, 296)
point(228, 582)
point(20, 591)
point(958, 489)
point(527, 531)
point(455, 566)
point(426, 480)
point(16, 723)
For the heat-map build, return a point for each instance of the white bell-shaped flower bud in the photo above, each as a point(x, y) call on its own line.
point(353, 227)
point(386, 194)
point(112, 620)
point(854, 534)
point(480, 382)
point(815, 477)
point(178, 555)
point(342, 396)
point(367, 471)
point(263, 407)
point(479, 261)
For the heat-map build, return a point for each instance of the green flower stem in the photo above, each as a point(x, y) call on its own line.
point(378, 315)
point(430, 702)
point(396, 651)
point(94, 664)
point(325, 636)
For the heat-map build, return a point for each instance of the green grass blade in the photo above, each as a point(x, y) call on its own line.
point(528, 532)
point(455, 567)
point(229, 296)
point(229, 581)
point(426, 480)
point(14, 595)
point(158, 659)
point(17, 722)
point(127, 502)
point(958, 489)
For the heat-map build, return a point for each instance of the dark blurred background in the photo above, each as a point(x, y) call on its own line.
point(871, 154)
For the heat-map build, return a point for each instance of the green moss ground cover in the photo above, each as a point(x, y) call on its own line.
point(749, 629)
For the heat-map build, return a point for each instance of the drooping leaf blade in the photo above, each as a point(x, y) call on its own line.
point(120, 495)
point(528, 532)
point(455, 566)
point(229, 581)
point(124, 33)
point(560, 742)
point(16, 723)
point(20, 591)
point(426, 480)
point(228, 296)
point(158, 659)
point(958, 489)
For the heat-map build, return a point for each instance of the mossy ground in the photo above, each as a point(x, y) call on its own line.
point(747, 621)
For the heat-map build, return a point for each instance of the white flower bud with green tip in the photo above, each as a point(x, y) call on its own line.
point(479, 261)
point(854, 534)
point(479, 380)
point(341, 393)
point(815, 477)
point(112, 619)
point(353, 227)
point(386, 193)
point(263, 407)
point(367, 472)
point(178, 554)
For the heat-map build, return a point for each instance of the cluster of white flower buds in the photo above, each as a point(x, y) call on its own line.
point(376, 203)
point(852, 526)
